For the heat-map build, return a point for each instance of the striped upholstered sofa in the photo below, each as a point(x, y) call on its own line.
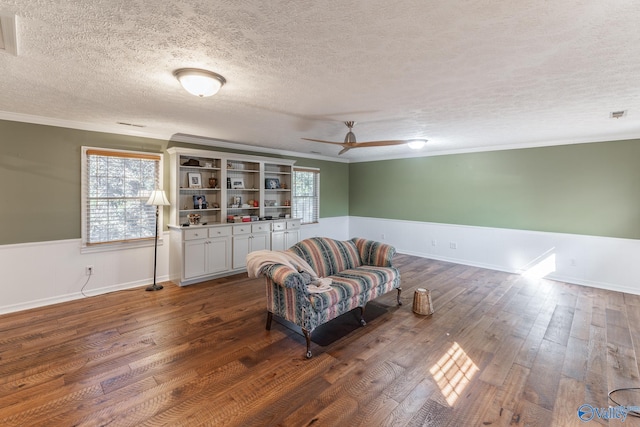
point(360, 270)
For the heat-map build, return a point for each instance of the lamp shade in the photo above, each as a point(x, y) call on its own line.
point(199, 82)
point(417, 144)
point(158, 198)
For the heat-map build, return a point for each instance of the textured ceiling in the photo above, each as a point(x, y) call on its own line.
point(467, 75)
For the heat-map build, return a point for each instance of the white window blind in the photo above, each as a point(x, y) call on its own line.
point(115, 188)
point(306, 194)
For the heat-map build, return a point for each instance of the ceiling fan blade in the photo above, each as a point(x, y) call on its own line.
point(345, 149)
point(326, 142)
point(383, 143)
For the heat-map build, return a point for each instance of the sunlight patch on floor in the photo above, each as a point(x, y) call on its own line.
point(453, 372)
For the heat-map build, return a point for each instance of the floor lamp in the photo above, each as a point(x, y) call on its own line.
point(157, 199)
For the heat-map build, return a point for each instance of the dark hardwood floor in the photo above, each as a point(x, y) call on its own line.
point(500, 350)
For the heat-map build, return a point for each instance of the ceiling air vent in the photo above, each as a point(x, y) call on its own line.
point(8, 34)
point(618, 114)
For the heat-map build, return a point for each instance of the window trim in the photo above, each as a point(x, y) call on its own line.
point(86, 247)
point(293, 196)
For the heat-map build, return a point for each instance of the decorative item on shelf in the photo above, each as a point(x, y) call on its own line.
point(229, 183)
point(157, 199)
point(287, 203)
point(194, 219)
point(256, 204)
point(216, 205)
point(195, 180)
point(283, 185)
point(237, 200)
point(229, 218)
point(208, 164)
point(192, 162)
point(213, 182)
point(229, 165)
point(199, 201)
point(237, 184)
point(269, 203)
point(271, 183)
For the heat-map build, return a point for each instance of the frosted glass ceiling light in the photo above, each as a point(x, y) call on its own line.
point(199, 82)
point(417, 144)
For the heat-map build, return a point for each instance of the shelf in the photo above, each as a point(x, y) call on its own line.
point(199, 168)
point(198, 189)
point(201, 210)
point(277, 207)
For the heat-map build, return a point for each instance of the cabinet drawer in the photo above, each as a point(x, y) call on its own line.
point(220, 231)
point(293, 225)
point(279, 226)
point(242, 229)
point(260, 228)
point(194, 234)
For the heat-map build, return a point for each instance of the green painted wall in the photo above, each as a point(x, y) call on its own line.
point(591, 189)
point(40, 179)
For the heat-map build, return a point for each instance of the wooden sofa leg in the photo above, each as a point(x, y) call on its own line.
point(399, 292)
point(361, 320)
point(269, 319)
point(307, 336)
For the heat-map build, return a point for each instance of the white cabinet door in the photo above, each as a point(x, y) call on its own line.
point(219, 255)
point(260, 242)
point(278, 241)
point(244, 244)
point(241, 249)
point(291, 237)
point(195, 258)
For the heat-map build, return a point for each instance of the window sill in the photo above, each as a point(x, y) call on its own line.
point(108, 247)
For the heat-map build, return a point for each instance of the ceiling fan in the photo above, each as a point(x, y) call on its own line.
point(350, 141)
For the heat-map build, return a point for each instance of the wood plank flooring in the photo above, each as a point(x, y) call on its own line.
point(500, 350)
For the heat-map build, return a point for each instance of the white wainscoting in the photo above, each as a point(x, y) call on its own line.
point(43, 273)
point(38, 274)
point(334, 228)
point(601, 262)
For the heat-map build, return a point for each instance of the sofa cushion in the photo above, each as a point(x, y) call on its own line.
point(351, 282)
point(328, 256)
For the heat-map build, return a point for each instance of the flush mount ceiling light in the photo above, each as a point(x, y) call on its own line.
point(199, 82)
point(417, 144)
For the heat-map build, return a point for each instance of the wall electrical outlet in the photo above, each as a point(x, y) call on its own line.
point(434, 242)
point(88, 270)
point(453, 245)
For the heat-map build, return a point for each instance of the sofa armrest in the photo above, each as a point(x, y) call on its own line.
point(374, 253)
point(285, 276)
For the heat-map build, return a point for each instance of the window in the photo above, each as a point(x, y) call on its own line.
point(115, 187)
point(306, 194)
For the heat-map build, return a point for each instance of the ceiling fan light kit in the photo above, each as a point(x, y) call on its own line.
point(199, 82)
point(350, 141)
point(417, 144)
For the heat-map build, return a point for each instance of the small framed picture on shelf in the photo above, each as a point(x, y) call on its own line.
point(199, 201)
point(271, 183)
point(195, 179)
point(237, 183)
